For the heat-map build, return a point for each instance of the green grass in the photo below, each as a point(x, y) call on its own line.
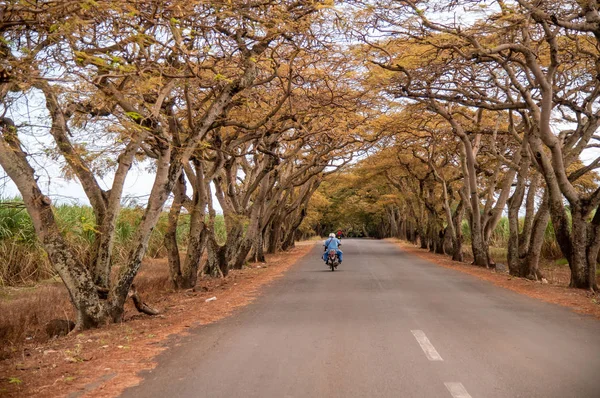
point(561, 261)
point(23, 261)
point(15, 223)
point(21, 257)
point(499, 254)
point(499, 238)
point(220, 230)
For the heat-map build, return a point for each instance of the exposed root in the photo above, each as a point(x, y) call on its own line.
point(139, 303)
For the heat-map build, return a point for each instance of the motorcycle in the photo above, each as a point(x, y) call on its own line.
point(332, 259)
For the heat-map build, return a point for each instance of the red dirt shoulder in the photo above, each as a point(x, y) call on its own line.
point(103, 362)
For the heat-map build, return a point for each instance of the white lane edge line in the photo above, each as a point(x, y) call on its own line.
point(426, 346)
point(457, 390)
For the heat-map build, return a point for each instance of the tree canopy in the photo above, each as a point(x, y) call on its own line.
point(385, 118)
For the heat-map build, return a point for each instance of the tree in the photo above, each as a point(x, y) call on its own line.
point(138, 62)
point(519, 61)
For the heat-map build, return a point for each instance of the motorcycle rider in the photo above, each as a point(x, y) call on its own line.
point(332, 243)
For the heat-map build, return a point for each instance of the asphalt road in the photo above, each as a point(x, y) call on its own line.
point(386, 324)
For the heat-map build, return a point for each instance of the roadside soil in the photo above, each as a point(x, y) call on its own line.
point(103, 362)
point(556, 291)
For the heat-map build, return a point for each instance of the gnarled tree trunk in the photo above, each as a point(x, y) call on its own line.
point(170, 239)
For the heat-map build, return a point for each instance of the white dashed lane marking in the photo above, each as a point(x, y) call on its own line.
point(426, 345)
point(457, 390)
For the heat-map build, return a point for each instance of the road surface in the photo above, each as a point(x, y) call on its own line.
point(387, 324)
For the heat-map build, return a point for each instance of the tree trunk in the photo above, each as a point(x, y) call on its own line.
point(480, 256)
point(91, 311)
point(529, 266)
point(393, 222)
point(260, 248)
point(448, 248)
point(170, 238)
point(216, 263)
point(578, 261)
point(195, 248)
point(575, 243)
point(528, 224)
point(402, 227)
point(274, 235)
point(364, 231)
point(431, 235)
point(167, 174)
point(257, 253)
point(103, 247)
point(422, 234)
point(411, 232)
point(514, 205)
point(457, 241)
point(198, 230)
point(439, 248)
point(290, 237)
point(236, 246)
point(593, 248)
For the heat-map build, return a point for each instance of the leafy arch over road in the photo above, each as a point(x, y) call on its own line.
point(488, 101)
point(257, 104)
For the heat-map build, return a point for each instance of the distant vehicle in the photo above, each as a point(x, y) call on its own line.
point(332, 260)
point(339, 234)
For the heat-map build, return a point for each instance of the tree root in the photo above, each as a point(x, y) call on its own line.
point(139, 303)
